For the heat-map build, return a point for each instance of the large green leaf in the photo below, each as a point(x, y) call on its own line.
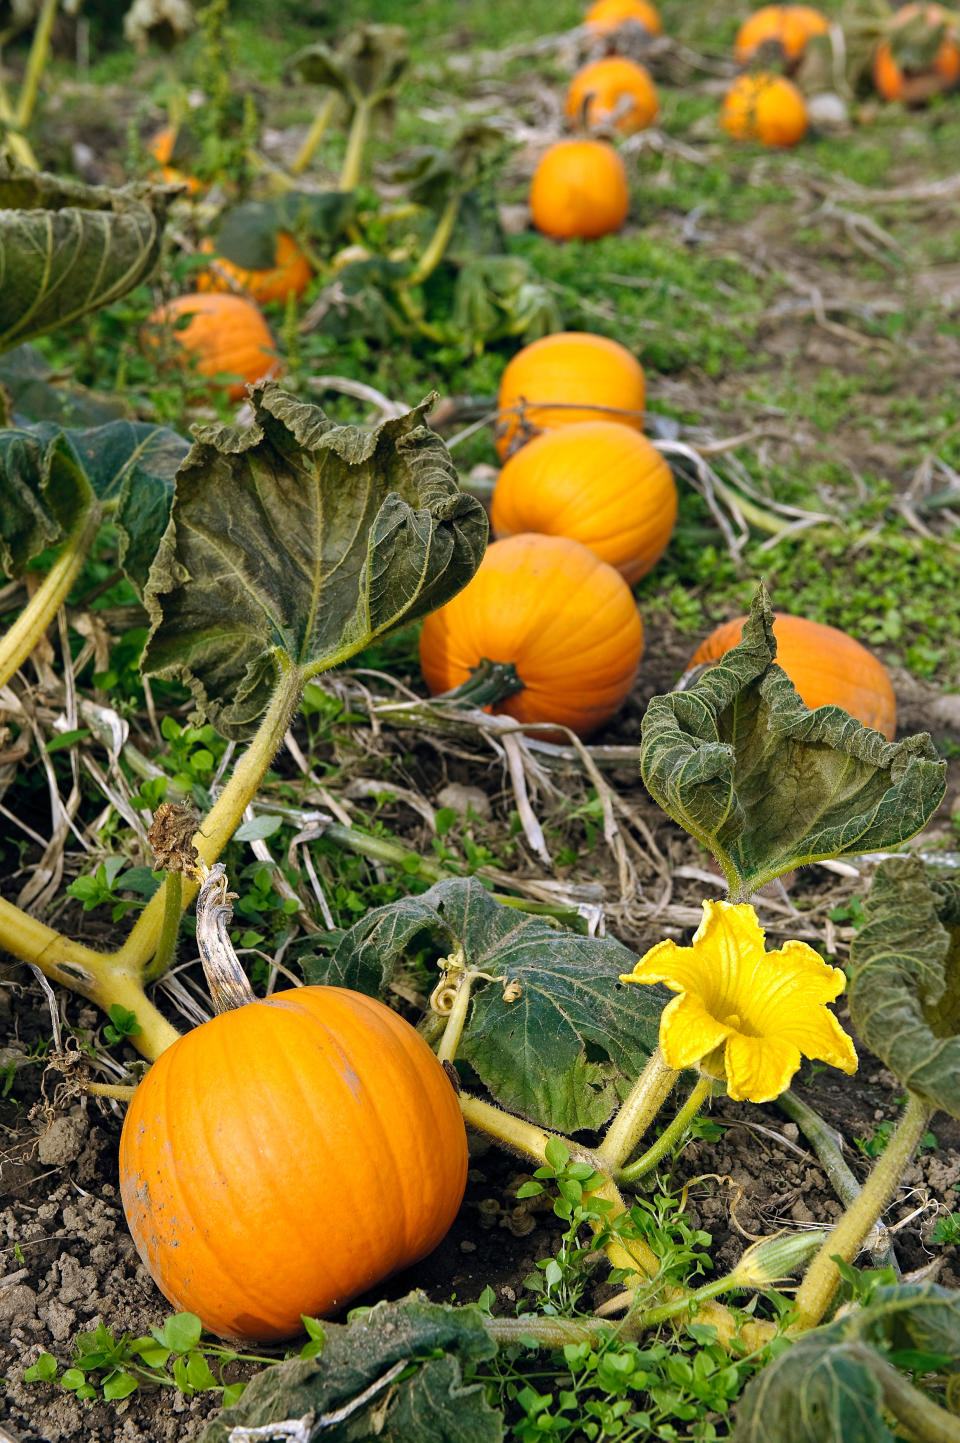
point(567, 1046)
point(768, 785)
point(67, 249)
point(905, 991)
point(428, 1405)
point(365, 68)
point(51, 477)
point(834, 1384)
point(247, 233)
point(302, 538)
point(30, 390)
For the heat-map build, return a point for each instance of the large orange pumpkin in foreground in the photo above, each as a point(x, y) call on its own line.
point(827, 667)
point(576, 371)
point(566, 620)
point(613, 91)
point(606, 15)
point(921, 57)
point(764, 107)
point(579, 190)
point(783, 29)
point(289, 275)
point(598, 482)
point(284, 1157)
point(224, 336)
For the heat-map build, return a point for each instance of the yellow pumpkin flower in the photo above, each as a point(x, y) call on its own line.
point(746, 1014)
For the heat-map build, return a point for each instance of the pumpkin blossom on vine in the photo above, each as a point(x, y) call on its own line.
point(744, 1014)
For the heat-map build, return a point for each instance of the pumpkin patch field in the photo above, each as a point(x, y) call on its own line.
point(479, 722)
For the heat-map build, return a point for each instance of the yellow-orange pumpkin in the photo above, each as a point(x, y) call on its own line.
point(784, 30)
point(606, 15)
point(827, 667)
point(613, 91)
point(289, 275)
point(579, 189)
point(577, 372)
point(224, 336)
point(565, 619)
point(287, 1155)
point(161, 148)
point(921, 57)
point(765, 107)
point(598, 482)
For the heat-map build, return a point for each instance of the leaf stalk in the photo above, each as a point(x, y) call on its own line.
point(641, 1106)
point(670, 1136)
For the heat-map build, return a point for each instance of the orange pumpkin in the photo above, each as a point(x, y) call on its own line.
point(576, 371)
point(607, 15)
point(784, 30)
point(161, 148)
point(601, 483)
point(827, 667)
point(921, 57)
point(565, 619)
point(287, 1155)
point(765, 107)
point(613, 91)
point(289, 275)
point(224, 335)
point(579, 189)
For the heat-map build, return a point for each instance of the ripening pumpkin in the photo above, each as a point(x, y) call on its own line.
point(566, 620)
point(576, 371)
point(579, 189)
point(764, 107)
point(161, 148)
point(613, 91)
point(601, 483)
point(827, 667)
point(286, 1156)
point(920, 58)
point(225, 335)
point(607, 15)
point(784, 30)
point(289, 275)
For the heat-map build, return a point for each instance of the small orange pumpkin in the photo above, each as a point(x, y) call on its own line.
point(827, 667)
point(921, 56)
point(601, 483)
point(161, 148)
point(289, 275)
point(579, 189)
point(765, 107)
point(287, 1155)
point(606, 15)
point(576, 371)
point(225, 335)
point(566, 620)
point(784, 30)
point(613, 91)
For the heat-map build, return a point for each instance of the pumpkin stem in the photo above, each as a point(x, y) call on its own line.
point(644, 1101)
point(226, 978)
point(670, 1135)
point(489, 682)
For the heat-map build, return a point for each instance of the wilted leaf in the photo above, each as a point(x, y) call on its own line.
point(768, 785)
point(830, 1386)
point(299, 537)
point(67, 249)
point(433, 175)
point(365, 68)
point(429, 1406)
point(905, 991)
point(30, 390)
point(497, 296)
point(571, 1041)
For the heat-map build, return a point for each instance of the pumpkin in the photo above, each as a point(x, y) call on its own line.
point(578, 372)
point(161, 148)
point(601, 483)
point(564, 618)
point(764, 107)
point(827, 667)
point(289, 275)
point(613, 91)
point(920, 58)
point(284, 1157)
point(607, 15)
point(783, 30)
point(225, 335)
point(579, 189)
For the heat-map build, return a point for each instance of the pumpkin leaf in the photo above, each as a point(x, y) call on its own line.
point(247, 235)
point(498, 296)
point(768, 785)
point(30, 390)
point(434, 175)
point(301, 538)
point(538, 1053)
point(430, 1405)
point(365, 68)
point(905, 990)
point(67, 249)
point(829, 1386)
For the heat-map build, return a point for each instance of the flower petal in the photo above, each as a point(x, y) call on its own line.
point(797, 964)
point(759, 1068)
point(688, 1032)
point(678, 967)
point(818, 1034)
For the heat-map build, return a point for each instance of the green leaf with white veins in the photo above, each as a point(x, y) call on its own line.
point(297, 541)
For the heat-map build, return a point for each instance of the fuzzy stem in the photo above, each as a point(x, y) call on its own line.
point(687, 1302)
point(638, 1111)
point(670, 1135)
point(550, 1332)
point(119, 1091)
point(820, 1283)
point(356, 141)
point(511, 1132)
point(433, 254)
point(917, 1415)
point(314, 135)
point(17, 643)
point(39, 51)
point(166, 952)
